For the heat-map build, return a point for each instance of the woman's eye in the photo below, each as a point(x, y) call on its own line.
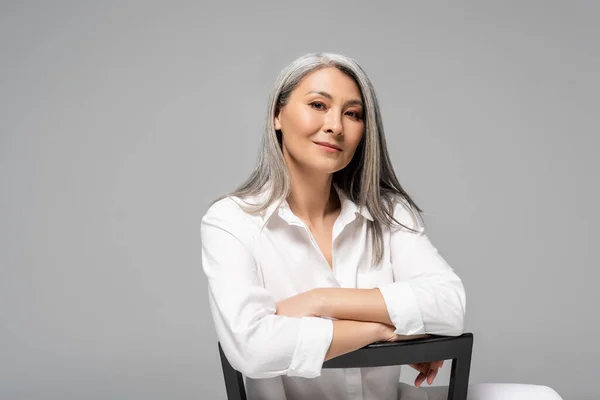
point(320, 106)
point(317, 103)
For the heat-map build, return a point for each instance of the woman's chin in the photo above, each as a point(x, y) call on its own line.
point(327, 167)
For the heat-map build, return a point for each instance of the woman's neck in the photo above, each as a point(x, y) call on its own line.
point(312, 198)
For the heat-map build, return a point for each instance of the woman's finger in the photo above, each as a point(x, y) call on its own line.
point(431, 376)
point(420, 378)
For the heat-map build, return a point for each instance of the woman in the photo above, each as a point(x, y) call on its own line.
point(321, 251)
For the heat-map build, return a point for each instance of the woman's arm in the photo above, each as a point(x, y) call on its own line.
point(256, 341)
point(349, 336)
point(352, 335)
point(425, 297)
point(356, 304)
point(340, 303)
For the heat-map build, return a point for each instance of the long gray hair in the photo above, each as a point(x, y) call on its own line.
point(368, 180)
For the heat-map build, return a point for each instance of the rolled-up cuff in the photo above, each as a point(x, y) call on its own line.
point(314, 340)
point(403, 308)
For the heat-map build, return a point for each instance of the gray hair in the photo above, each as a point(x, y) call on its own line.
point(368, 180)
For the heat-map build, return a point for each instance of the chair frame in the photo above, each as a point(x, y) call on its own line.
point(379, 354)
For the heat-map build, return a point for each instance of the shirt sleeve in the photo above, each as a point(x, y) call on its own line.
point(426, 297)
point(257, 342)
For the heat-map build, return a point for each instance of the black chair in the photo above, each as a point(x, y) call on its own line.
point(380, 354)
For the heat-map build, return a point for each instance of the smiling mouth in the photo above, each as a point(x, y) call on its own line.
point(327, 146)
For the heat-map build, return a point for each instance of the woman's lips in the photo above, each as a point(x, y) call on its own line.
point(327, 148)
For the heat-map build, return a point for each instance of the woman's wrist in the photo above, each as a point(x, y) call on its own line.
point(375, 331)
point(381, 332)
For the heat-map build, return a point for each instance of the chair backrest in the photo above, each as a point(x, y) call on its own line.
point(379, 354)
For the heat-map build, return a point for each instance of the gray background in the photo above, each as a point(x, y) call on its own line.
point(121, 121)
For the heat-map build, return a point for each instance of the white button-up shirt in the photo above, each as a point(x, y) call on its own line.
point(252, 262)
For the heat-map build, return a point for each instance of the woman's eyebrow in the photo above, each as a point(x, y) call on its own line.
point(330, 97)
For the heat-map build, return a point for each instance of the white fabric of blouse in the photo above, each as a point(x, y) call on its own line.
point(251, 262)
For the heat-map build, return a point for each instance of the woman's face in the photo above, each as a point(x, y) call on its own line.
point(326, 107)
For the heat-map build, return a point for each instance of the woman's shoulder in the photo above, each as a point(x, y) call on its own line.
point(225, 215)
point(232, 211)
point(226, 207)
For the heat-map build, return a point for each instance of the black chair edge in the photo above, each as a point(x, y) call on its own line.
point(434, 348)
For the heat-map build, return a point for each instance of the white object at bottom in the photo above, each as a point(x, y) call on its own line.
point(481, 391)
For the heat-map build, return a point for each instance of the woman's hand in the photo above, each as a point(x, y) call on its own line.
point(427, 370)
point(306, 304)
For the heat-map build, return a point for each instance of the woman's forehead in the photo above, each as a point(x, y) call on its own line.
point(330, 81)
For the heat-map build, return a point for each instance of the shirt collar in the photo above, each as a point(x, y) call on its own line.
point(349, 210)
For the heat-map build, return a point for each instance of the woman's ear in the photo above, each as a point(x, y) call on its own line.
point(277, 123)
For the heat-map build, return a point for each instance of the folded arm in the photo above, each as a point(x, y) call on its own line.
point(425, 297)
point(258, 342)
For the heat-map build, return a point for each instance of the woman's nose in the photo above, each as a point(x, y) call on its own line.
point(333, 123)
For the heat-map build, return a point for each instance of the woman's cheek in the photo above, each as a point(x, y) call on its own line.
point(308, 122)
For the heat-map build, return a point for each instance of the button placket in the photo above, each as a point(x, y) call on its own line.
point(294, 220)
point(344, 218)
